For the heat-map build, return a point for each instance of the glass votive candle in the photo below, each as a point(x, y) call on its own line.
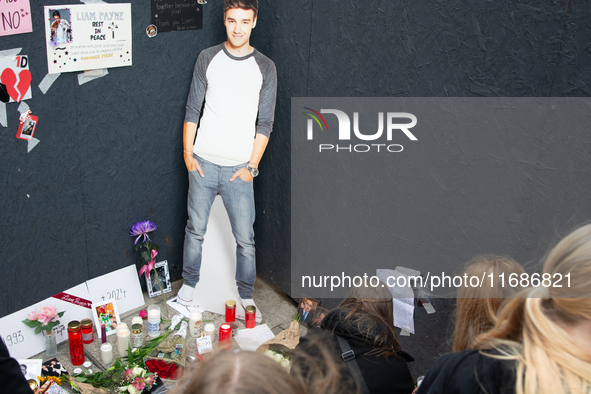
point(154, 320)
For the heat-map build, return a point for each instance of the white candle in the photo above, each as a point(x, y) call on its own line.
point(195, 324)
point(106, 353)
point(154, 320)
point(122, 339)
point(210, 330)
point(136, 320)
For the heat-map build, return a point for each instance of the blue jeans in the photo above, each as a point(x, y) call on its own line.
point(238, 198)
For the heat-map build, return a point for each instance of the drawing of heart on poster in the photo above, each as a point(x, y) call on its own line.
point(16, 77)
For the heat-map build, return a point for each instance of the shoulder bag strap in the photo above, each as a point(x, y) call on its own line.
point(348, 356)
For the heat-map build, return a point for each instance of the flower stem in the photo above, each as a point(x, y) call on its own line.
point(162, 291)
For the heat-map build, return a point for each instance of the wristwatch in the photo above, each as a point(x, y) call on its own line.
point(253, 171)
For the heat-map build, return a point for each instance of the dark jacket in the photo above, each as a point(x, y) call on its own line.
point(469, 372)
point(12, 379)
point(382, 374)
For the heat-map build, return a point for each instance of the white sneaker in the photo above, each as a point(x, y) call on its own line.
point(246, 302)
point(185, 295)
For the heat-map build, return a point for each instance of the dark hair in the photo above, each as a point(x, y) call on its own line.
point(371, 309)
point(56, 13)
point(244, 4)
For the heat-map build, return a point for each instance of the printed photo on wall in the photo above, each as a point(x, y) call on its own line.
point(307, 310)
point(105, 313)
point(163, 276)
point(26, 129)
point(61, 26)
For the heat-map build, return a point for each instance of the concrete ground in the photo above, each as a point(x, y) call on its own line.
point(276, 307)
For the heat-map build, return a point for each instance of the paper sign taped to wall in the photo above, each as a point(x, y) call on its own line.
point(16, 79)
point(15, 17)
point(87, 37)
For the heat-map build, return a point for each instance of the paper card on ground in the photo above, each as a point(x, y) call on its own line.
point(34, 368)
point(204, 344)
point(251, 338)
point(122, 285)
point(21, 340)
point(15, 17)
point(217, 283)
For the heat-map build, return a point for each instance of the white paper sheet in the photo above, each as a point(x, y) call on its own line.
point(122, 285)
point(251, 339)
point(21, 339)
point(402, 297)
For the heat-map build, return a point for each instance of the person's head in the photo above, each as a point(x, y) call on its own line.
point(371, 310)
point(477, 306)
point(243, 373)
point(536, 329)
point(56, 16)
point(308, 305)
point(240, 17)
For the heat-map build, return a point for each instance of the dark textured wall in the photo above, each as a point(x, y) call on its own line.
point(111, 154)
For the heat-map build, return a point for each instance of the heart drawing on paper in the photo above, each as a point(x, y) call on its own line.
point(16, 91)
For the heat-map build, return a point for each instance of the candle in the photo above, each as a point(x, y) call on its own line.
point(210, 330)
point(195, 324)
point(107, 353)
point(136, 320)
point(103, 333)
point(122, 339)
point(154, 321)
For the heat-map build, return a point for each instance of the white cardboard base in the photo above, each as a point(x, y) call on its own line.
point(217, 282)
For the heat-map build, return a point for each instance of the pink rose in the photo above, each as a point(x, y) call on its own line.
point(144, 314)
point(47, 314)
point(32, 316)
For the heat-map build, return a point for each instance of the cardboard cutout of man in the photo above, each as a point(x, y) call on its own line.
point(236, 85)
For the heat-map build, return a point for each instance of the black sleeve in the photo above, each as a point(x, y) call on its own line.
point(12, 379)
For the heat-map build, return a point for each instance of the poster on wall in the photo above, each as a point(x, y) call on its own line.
point(16, 77)
point(177, 15)
point(87, 37)
point(15, 17)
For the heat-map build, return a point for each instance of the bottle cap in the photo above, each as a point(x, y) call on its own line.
point(74, 326)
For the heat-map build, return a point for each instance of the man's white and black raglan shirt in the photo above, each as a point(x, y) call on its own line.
point(235, 90)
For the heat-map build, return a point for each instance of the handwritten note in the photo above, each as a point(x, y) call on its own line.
point(122, 286)
point(251, 339)
point(15, 17)
point(174, 15)
point(402, 298)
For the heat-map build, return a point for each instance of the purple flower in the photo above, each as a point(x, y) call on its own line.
point(142, 228)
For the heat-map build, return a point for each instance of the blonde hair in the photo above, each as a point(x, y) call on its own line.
point(243, 372)
point(477, 307)
point(254, 373)
point(529, 330)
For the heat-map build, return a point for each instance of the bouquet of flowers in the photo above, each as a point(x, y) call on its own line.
point(44, 319)
point(119, 378)
point(279, 357)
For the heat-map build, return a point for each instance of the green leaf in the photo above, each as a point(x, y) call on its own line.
point(129, 353)
point(37, 330)
point(30, 323)
point(61, 314)
point(81, 379)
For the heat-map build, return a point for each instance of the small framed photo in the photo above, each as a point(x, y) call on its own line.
point(161, 268)
point(320, 314)
point(26, 129)
point(307, 308)
point(105, 313)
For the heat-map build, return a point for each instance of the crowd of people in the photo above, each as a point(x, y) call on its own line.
point(531, 340)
